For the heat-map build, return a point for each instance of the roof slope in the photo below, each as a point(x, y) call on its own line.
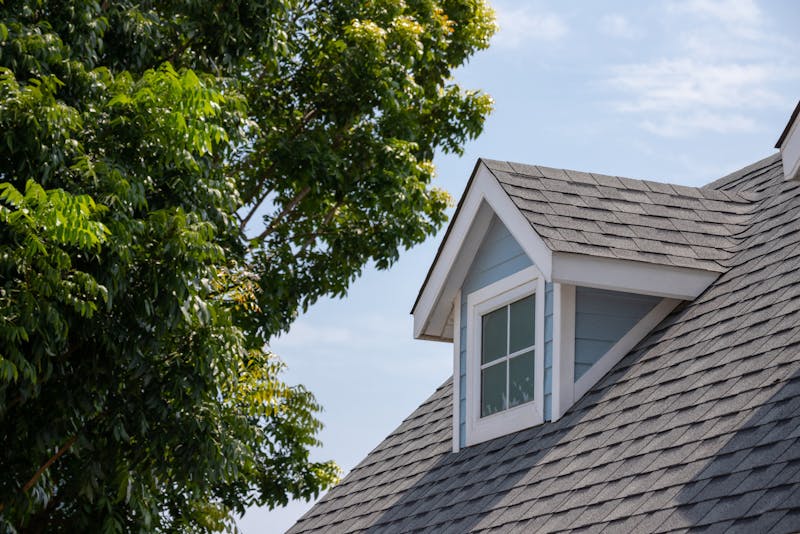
point(616, 217)
point(698, 428)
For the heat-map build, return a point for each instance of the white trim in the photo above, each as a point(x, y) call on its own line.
point(631, 276)
point(484, 197)
point(457, 372)
point(437, 322)
point(518, 285)
point(623, 347)
point(563, 349)
point(518, 226)
point(790, 151)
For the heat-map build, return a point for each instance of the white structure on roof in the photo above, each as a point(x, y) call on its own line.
point(602, 260)
point(789, 145)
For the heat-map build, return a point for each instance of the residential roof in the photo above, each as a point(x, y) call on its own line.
point(615, 217)
point(697, 428)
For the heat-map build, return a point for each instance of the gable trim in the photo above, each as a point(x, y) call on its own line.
point(484, 197)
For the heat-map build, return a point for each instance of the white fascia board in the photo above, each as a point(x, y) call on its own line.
point(464, 227)
point(484, 198)
point(519, 227)
point(631, 276)
point(438, 319)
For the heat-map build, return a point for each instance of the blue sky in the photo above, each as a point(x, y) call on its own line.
point(681, 91)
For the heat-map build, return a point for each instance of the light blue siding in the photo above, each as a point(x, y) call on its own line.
point(499, 256)
point(601, 319)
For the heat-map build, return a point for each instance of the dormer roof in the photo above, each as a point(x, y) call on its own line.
point(590, 229)
point(622, 218)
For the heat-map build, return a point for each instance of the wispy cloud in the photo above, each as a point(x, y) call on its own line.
point(618, 26)
point(724, 68)
point(521, 26)
point(683, 84)
point(687, 123)
point(732, 12)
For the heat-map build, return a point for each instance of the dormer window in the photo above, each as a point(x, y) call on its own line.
point(505, 355)
point(507, 351)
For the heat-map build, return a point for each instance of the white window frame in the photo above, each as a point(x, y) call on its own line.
point(501, 293)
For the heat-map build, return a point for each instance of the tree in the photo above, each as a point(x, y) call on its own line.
point(178, 181)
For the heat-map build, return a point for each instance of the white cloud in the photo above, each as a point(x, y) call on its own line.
point(681, 125)
point(741, 13)
point(685, 84)
point(618, 26)
point(521, 26)
point(725, 65)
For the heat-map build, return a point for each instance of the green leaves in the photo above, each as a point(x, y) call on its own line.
point(178, 181)
point(41, 228)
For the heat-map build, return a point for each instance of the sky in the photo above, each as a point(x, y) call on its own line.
point(680, 91)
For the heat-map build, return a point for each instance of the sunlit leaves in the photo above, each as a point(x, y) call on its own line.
point(178, 181)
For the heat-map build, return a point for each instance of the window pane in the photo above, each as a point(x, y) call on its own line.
point(520, 373)
point(494, 335)
point(522, 324)
point(493, 389)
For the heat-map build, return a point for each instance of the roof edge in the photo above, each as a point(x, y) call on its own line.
point(788, 127)
point(446, 234)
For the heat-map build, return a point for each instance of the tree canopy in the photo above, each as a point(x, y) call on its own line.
point(178, 180)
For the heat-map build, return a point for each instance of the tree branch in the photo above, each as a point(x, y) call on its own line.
point(304, 120)
point(64, 448)
point(285, 211)
point(325, 222)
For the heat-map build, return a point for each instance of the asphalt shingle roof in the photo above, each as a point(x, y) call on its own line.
point(615, 217)
point(697, 429)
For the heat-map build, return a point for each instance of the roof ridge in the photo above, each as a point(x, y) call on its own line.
point(616, 181)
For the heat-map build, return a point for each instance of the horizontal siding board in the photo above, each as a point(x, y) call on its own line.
point(599, 327)
point(602, 301)
point(602, 318)
point(587, 350)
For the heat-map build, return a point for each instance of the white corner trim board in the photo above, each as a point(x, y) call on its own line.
point(457, 372)
point(484, 198)
point(518, 285)
point(563, 349)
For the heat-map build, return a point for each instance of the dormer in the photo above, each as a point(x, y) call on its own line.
point(546, 278)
